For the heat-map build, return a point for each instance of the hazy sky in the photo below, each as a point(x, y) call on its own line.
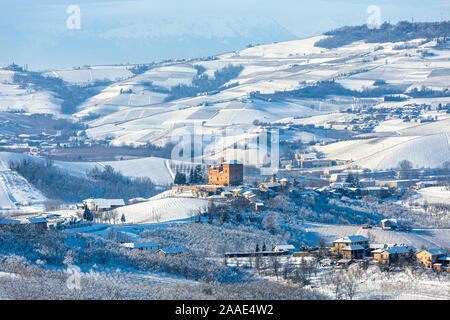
point(302, 18)
point(39, 24)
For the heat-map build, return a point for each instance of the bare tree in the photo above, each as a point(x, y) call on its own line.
point(223, 249)
point(198, 216)
point(336, 282)
point(275, 265)
point(158, 217)
point(371, 237)
point(270, 223)
point(350, 284)
point(211, 211)
point(258, 264)
point(52, 204)
point(287, 269)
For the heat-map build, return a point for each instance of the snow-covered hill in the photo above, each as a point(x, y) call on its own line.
point(143, 116)
point(162, 210)
point(16, 194)
point(157, 169)
point(424, 145)
point(431, 195)
point(15, 98)
point(134, 110)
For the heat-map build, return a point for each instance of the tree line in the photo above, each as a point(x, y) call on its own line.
point(402, 31)
point(203, 83)
point(71, 95)
point(55, 183)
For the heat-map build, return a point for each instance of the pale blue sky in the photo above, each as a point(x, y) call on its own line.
point(32, 27)
point(298, 16)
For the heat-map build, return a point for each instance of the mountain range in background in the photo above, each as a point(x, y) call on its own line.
point(136, 31)
point(140, 42)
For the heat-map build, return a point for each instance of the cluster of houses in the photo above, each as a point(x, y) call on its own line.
point(340, 189)
point(380, 184)
point(357, 247)
point(365, 119)
point(255, 195)
point(101, 205)
point(309, 160)
point(42, 143)
point(226, 184)
point(33, 144)
point(38, 223)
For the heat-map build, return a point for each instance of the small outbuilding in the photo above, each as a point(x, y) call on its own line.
point(100, 205)
point(389, 224)
point(143, 246)
point(284, 248)
point(170, 251)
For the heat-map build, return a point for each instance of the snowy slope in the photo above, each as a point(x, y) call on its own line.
point(154, 168)
point(86, 75)
point(16, 193)
point(143, 116)
point(162, 209)
point(432, 195)
point(13, 98)
point(424, 145)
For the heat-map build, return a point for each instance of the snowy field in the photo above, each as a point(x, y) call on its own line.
point(16, 193)
point(424, 145)
point(432, 195)
point(141, 117)
point(398, 285)
point(162, 210)
point(86, 75)
point(13, 98)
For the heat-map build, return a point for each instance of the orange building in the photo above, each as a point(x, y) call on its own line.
point(230, 173)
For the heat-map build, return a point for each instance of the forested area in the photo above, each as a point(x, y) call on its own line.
point(203, 83)
point(402, 31)
point(327, 88)
point(71, 95)
point(40, 266)
point(107, 183)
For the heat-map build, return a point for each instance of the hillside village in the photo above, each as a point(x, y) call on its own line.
point(152, 169)
point(226, 189)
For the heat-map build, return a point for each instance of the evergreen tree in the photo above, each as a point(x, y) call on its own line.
point(350, 178)
point(123, 218)
point(192, 178)
point(355, 182)
point(87, 214)
point(198, 174)
point(180, 178)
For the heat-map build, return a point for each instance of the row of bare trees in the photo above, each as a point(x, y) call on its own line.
point(343, 283)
